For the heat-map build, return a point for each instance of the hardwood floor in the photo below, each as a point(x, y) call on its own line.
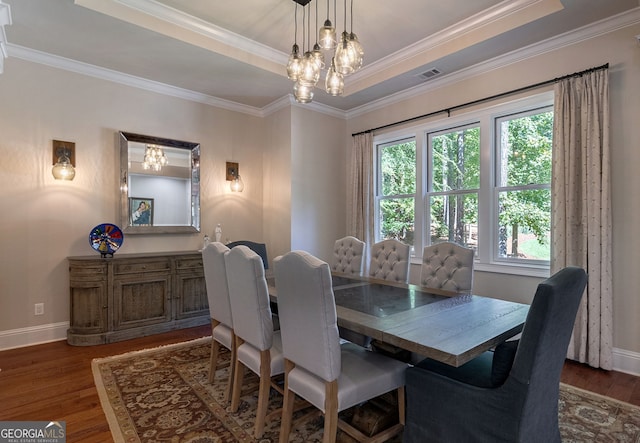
point(54, 381)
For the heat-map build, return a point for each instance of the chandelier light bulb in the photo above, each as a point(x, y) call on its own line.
point(154, 158)
point(327, 36)
point(345, 57)
point(310, 73)
point(358, 51)
point(334, 83)
point(318, 56)
point(294, 64)
point(303, 93)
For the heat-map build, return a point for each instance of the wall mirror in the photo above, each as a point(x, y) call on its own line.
point(159, 185)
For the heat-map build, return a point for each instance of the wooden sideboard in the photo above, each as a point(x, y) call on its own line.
point(133, 295)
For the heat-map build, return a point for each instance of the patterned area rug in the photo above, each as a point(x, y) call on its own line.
point(163, 395)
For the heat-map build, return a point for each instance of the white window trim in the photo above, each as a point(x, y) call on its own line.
point(485, 259)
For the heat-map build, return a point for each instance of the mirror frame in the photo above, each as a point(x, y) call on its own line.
point(124, 139)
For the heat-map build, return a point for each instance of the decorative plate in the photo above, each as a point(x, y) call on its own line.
point(106, 239)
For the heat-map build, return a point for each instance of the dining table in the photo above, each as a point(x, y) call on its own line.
point(449, 327)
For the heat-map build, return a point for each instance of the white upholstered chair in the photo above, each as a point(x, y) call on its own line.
point(330, 376)
point(215, 276)
point(259, 348)
point(348, 256)
point(447, 266)
point(390, 261)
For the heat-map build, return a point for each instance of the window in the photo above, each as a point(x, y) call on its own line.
point(523, 185)
point(396, 191)
point(482, 180)
point(454, 181)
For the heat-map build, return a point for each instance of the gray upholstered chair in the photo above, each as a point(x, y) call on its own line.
point(219, 308)
point(348, 256)
point(390, 261)
point(259, 348)
point(510, 395)
point(447, 266)
point(258, 248)
point(330, 376)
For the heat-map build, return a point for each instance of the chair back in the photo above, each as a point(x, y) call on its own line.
point(447, 266)
point(348, 256)
point(307, 311)
point(215, 276)
point(249, 296)
point(258, 248)
point(390, 261)
point(543, 346)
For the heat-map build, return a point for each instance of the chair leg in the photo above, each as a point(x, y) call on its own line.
point(287, 404)
point(401, 406)
point(232, 368)
point(213, 361)
point(238, 377)
point(330, 412)
point(263, 392)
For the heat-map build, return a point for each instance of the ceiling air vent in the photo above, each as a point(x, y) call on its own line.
point(428, 75)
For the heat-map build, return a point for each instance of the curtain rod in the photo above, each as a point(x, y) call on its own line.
point(486, 99)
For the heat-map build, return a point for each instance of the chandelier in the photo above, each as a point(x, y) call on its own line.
point(305, 69)
point(154, 158)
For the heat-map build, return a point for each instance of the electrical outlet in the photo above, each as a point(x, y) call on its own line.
point(39, 308)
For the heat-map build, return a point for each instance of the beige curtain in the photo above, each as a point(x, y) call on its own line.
point(581, 223)
point(360, 189)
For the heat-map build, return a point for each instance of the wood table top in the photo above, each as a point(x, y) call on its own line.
point(448, 327)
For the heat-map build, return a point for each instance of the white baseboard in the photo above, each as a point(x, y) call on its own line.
point(626, 361)
point(35, 335)
point(623, 360)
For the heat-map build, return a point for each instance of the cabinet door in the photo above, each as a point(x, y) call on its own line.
point(88, 307)
point(191, 291)
point(88, 302)
point(141, 300)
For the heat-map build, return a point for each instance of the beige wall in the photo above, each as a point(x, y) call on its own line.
point(621, 50)
point(277, 185)
point(317, 182)
point(43, 220)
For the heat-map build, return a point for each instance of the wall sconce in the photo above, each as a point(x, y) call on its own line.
point(233, 175)
point(64, 160)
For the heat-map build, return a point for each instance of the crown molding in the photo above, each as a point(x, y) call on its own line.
point(480, 26)
point(154, 16)
point(186, 21)
point(605, 26)
point(67, 64)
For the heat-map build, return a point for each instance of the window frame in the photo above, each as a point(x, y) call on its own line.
point(378, 197)
point(428, 187)
point(497, 188)
point(486, 117)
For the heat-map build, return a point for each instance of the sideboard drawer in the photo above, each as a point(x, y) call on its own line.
point(189, 263)
point(139, 267)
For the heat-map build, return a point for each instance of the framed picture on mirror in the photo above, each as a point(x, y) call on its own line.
point(140, 211)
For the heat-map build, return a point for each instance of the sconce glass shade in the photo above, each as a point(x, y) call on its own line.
point(327, 36)
point(63, 169)
point(237, 185)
